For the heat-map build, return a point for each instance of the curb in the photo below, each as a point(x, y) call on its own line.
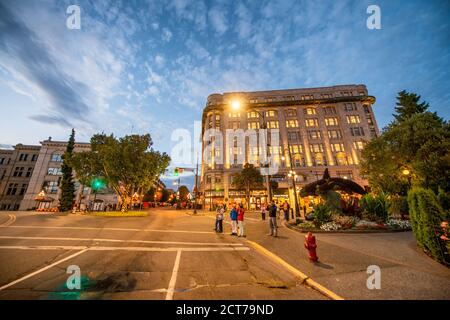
point(305, 279)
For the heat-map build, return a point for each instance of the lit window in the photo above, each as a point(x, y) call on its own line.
point(310, 111)
point(334, 134)
point(314, 134)
point(353, 119)
point(273, 125)
point(331, 122)
point(337, 147)
point(292, 123)
point(253, 125)
point(358, 145)
point(311, 122)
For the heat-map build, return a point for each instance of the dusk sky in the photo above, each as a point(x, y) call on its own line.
point(148, 66)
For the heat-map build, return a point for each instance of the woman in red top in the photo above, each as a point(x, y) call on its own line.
point(241, 220)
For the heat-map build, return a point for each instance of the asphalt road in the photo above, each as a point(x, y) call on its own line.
point(167, 255)
point(175, 255)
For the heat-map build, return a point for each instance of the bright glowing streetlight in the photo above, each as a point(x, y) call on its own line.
point(235, 105)
point(405, 172)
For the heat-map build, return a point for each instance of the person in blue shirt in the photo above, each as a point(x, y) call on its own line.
point(233, 218)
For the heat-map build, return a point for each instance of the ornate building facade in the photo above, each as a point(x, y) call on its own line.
point(308, 130)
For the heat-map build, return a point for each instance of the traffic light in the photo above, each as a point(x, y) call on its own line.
point(97, 184)
point(175, 172)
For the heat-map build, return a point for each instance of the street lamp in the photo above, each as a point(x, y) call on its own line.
point(236, 105)
point(292, 174)
point(407, 173)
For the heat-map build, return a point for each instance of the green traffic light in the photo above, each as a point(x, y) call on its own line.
point(97, 184)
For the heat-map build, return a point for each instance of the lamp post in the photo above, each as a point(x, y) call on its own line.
point(407, 174)
point(236, 105)
point(292, 174)
point(196, 187)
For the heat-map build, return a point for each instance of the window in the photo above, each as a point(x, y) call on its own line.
point(307, 97)
point(369, 120)
point(51, 186)
point(23, 157)
point(346, 93)
point(334, 134)
point(271, 114)
point(29, 172)
point(298, 160)
point(326, 95)
point(234, 125)
point(293, 136)
point(350, 106)
point(312, 122)
point(289, 98)
point(366, 108)
point(358, 145)
point(253, 125)
point(273, 125)
point(34, 157)
point(341, 159)
point(331, 122)
point(309, 111)
point(234, 115)
point(12, 189)
point(23, 189)
point(54, 171)
point(292, 123)
point(357, 131)
point(56, 157)
point(373, 132)
point(252, 114)
point(290, 113)
point(217, 123)
point(316, 147)
point(353, 119)
point(2, 160)
point(296, 149)
point(314, 134)
point(329, 110)
point(337, 147)
point(18, 172)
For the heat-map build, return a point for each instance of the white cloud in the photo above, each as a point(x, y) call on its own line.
point(218, 19)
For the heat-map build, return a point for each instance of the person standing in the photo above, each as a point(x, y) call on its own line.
point(263, 211)
point(273, 219)
point(240, 219)
point(219, 219)
point(233, 217)
point(286, 211)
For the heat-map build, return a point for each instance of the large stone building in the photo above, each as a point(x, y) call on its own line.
point(16, 169)
point(312, 129)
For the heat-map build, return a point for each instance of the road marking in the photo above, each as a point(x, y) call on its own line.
point(148, 249)
point(173, 279)
point(305, 279)
point(42, 270)
point(123, 241)
point(11, 220)
point(109, 229)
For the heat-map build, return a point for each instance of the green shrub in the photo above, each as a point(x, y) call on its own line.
point(375, 207)
point(398, 206)
point(322, 213)
point(426, 215)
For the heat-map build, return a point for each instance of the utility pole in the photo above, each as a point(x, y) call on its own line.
point(196, 187)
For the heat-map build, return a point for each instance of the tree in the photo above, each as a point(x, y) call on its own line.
point(165, 195)
point(183, 193)
point(67, 184)
point(418, 142)
point(248, 179)
point(127, 165)
point(408, 105)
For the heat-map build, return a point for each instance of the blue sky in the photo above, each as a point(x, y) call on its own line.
point(148, 66)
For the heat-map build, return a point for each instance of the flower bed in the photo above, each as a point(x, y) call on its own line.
point(353, 224)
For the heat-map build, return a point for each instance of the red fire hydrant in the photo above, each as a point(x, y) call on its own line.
point(310, 245)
